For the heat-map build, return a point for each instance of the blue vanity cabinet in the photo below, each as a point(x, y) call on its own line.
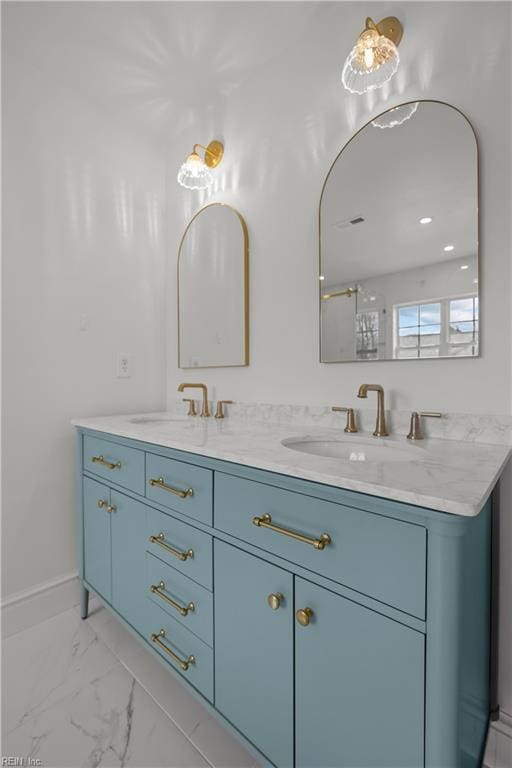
point(254, 650)
point(359, 685)
point(128, 527)
point(96, 536)
point(326, 628)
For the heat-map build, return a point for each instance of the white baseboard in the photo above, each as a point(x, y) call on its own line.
point(498, 753)
point(39, 603)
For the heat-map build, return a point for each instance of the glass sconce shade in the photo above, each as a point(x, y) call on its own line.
point(194, 174)
point(396, 116)
point(374, 59)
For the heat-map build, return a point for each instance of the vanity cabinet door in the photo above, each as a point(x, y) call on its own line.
point(97, 536)
point(359, 685)
point(254, 650)
point(128, 519)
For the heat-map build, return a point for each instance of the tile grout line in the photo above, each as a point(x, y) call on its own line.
point(168, 716)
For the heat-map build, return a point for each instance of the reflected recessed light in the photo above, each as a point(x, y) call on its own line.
point(426, 220)
point(448, 248)
point(373, 298)
point(321, 277)
point(475, 280)
point(464, 266)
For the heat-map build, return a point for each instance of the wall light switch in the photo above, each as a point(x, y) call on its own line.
point(124, 366)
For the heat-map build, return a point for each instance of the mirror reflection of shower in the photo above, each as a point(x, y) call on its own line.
point(399, 239)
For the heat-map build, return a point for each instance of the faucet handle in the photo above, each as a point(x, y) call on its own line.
point(219, 413)
point(351, 418)
point(415, 431)
point(191, 406)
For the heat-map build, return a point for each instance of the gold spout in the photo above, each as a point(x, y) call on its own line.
point(380, 426)
point(205, 411)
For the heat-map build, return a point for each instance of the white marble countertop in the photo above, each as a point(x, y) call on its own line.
point(446, 475)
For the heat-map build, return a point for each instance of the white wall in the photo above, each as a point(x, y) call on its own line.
point(82, 228)
point(282, 126)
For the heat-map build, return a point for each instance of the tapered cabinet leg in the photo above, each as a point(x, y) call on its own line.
point(84, 602)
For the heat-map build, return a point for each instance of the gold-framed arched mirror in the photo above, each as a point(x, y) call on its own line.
point(398, 224)
point(213, 290)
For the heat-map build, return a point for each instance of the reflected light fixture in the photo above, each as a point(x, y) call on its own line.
point(194, 173)
point(426, 220)
point(448, 248)
point(396, 116)
point(374, 59)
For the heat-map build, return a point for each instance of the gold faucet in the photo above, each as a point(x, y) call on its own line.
point(380, 426)
point(205, 411)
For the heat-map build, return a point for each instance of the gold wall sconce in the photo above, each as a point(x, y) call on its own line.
point(194, 173)
point(374, 59)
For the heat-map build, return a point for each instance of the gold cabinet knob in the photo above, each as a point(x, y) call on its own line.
point(303, 616)
point(102, 503)
point(275, 600)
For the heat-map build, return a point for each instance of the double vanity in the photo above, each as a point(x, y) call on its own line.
point(326, 594)
point(325, 590)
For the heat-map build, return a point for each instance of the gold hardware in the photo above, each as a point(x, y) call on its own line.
point(183, 610)
point(380, 426)
point(219, 413)
point(159, 483)
point(183, 663)
point(348, 292)
point(160, 540)
point(212, 153)
point(191, 406)
point(266, 522)
point(245, 234)
point(415, 430)
point(303, 616)
point(274, 600)
point(205, 411)
point(111, 508)
point(390, 27)
point(102, 503)
point(107, 464)
point(351, 419)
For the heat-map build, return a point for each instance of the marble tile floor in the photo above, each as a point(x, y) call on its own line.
point(86, 693)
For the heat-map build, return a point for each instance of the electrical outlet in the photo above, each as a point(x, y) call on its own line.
point(124, 366)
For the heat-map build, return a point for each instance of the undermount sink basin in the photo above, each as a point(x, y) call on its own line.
point(157, 419)
point(352, 450)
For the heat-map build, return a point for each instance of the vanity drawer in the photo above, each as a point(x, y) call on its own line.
point(188, 603)
point(117, 463)
point(183, 487)
point(378, 556)
point(177, 645)
point(171, 541)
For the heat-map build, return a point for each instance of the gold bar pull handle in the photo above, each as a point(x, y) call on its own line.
point(160, 540)
point(184, 664)
point(104, 463)
point(183, 610)
point(159, 483)
point(265, 521)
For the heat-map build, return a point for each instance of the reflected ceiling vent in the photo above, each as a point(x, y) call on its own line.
point(348, 222)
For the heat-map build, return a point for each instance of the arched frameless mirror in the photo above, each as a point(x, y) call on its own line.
point(399, 239)
point(213, 290)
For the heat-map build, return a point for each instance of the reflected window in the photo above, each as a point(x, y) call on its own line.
point(437, 328)
point(367, 335)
